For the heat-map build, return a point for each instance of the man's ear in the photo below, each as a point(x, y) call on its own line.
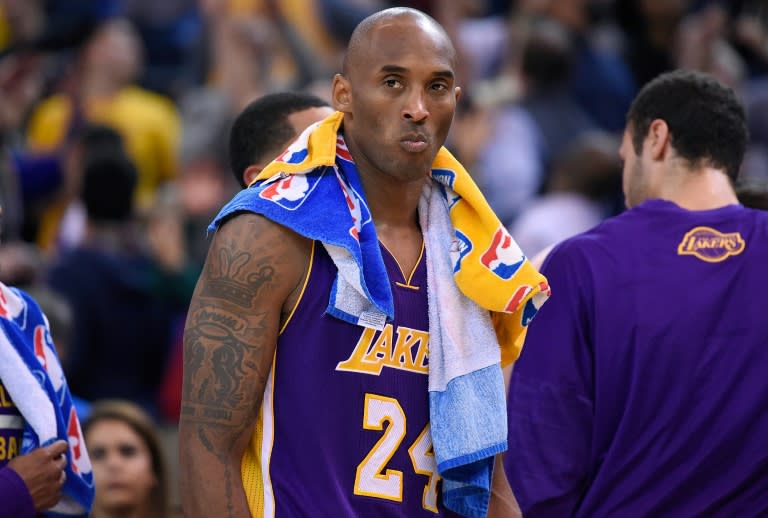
point(658, 139)
point(250, 173)
point(341, 94)
point(457, 93)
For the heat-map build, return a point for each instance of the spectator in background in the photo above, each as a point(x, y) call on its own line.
point(601, 82)
point(62, 225)
point(121, 328)
point(128, 462)
point(651, 29)
point(513, 164)
point(581, 194)
point(267, 126)
point(108, 64)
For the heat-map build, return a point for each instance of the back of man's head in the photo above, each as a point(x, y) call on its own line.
point(263, 129)
point(109, 182)
point(706, 121)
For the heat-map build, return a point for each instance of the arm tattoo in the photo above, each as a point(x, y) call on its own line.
point(229, 342)
point(227, 282)
point(219, 371)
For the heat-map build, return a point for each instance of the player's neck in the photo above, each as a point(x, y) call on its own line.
point(705, 188)
point(391, 201)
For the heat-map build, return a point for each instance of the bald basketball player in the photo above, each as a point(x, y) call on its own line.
point(276, 418)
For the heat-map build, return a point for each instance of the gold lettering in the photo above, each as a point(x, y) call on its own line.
point(3, 452)
point(381, 351)
point(13, 448)
point(372, 353)
point(422, 355)
point(356, 361)
point(710, 245)
point(5, 401)
point(402, 356)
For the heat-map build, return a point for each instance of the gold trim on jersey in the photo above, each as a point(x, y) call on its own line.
point(406, 278)
point(254, 467)
point(303, 289)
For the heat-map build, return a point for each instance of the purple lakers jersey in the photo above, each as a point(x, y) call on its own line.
point(641, 390)
point(344, 426)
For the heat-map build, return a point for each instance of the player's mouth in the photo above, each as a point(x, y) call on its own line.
point(414, 143)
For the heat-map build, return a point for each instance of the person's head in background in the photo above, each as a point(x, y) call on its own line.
point(128, 464)
point(683, 128)
point(109, 182)
point(90, 140)
point(267, 126)
point(547, 58)
point(588, 167)
point(114, 52)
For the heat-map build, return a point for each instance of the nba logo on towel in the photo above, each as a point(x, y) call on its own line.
point(45, 355)
point(295, 153)
point(533, 305)
point(355, 208)
point(342, 151)
point(81, 464)
point(503, 257)
point(461, 246)
point(289, 192)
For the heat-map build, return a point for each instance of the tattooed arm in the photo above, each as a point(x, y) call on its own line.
point(253, 268)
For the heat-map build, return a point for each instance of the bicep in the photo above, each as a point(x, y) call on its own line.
point(232, 326)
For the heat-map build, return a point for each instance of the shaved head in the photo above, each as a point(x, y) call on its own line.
point(359, 45)
point(398, 94)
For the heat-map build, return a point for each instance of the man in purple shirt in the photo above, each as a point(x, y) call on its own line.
point(642, 389)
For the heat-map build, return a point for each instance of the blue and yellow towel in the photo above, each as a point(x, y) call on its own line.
point(476, 272)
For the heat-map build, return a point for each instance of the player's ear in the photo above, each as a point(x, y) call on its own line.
point(250, 174)
point(658, 139)
point(341, 94)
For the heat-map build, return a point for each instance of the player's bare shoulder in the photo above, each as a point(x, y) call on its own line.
point(253, 258)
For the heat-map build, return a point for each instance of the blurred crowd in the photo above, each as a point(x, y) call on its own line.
point(114, 120)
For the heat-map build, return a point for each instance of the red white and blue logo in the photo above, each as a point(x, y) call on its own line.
point(43, 345)
point(503, 257)
point(342, 151)
point(534, 304)
point(290, 191)
point(357, 209)
point(296, 152)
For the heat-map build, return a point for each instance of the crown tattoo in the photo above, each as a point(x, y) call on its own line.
point(227, 281)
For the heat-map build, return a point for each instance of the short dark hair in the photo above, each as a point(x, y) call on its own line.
point(705, 119)
point(109, 182)
point(263, 128)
